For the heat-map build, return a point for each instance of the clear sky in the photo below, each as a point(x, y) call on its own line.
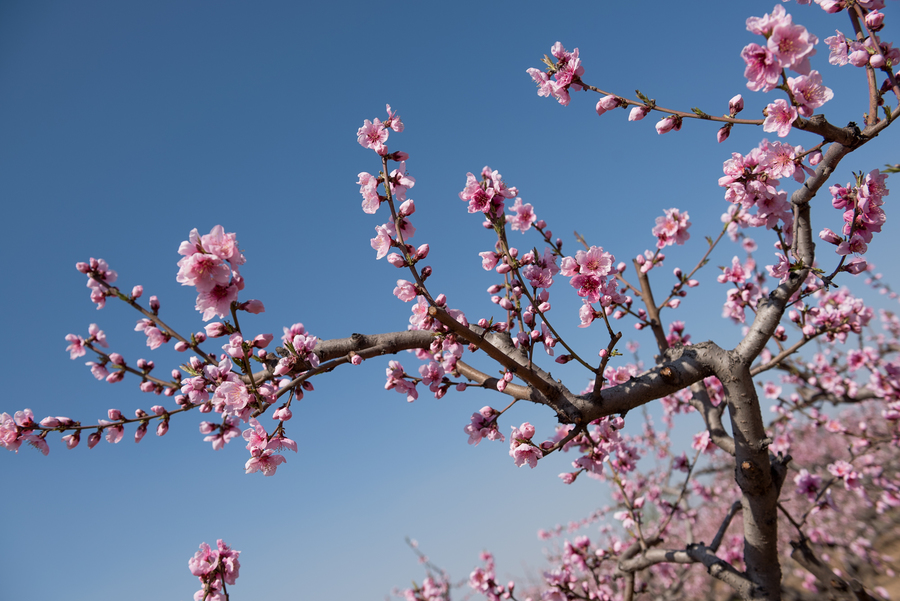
point(126, 124)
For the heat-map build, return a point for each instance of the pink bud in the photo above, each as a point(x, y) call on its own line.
point(253, 306)
point(544, 307)
point(148, 386)
point(693, 283)
point(283, 413)
point(638, 113)
point(114, 414)
point(855, 266)
point(563, 359)
point(608, 103)
point(407, 208)
point(181, 346)
point(262, 341)
point(723, 133)
point(829, 236)
point(736, 105)
point(666, 125)
point(115, 376)
point(49, 422)
point(396, 260)
point(815, 158)
point(215, 329)
point(875, 21)
point(93, 439)
point(603, 353)
point(139, 433)
point(82, 267)
point(422, 251)
point(137, 291)
point(116, 359)
point(621, 267)
point(154, 304)
point(162, 428)
point(503, 268)
point(72, 440)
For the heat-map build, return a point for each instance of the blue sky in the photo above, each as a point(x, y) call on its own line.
point(125, 125)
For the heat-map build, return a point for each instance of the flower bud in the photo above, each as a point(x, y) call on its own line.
point(723, 133)
point(137, 291)
point(736, 105)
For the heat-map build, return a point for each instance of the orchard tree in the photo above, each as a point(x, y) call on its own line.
point(757, 508)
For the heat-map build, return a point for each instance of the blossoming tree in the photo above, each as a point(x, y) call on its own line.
point(809, 489)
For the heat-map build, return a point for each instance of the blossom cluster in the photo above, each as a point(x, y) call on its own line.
point(863, 215)
point(215, 568)
point(561, 76)
point(489, 194)
point(211, 264)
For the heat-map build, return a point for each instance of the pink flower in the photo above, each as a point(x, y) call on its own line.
point(809, 92)
point(217, 301)
point(807, 484)
point(671, 228)
point(763, 68)
point(393, 120)
point(779, 117)
point(523, 216)
point(792, 45)
point(263, 461)
point(76, 346)
point(838, 49)
point(405, 291)
point(98, 370)
point(373, 135)
point(594, 261)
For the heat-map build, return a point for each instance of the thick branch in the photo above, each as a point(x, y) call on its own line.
point(680, 367)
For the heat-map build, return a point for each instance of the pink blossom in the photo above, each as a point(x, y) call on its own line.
point(594, 261)
point(393, 121)
point(780, 116)
point(807, 484)
point(217, 301)
point(373, 135)
point(405, 291)
point(523, 216)
point(672, 228)
point(265, 461)
point(838, 49)
point(763, 68)
point(809, 92)
point(792, 45)
point(76, 346)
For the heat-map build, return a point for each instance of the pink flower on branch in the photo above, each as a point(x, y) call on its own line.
point(780, 117)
